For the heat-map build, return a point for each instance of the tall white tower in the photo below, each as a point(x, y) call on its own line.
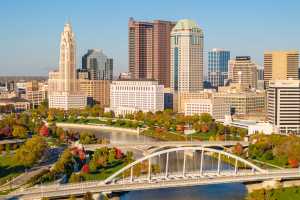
point(186, 57)
point(67, 60)
point(63, 84)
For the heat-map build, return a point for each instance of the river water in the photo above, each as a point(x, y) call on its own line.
point(210, 192)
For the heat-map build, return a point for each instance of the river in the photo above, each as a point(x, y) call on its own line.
point(210, 192)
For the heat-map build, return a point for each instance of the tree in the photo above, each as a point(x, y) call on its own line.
point(238, 149)
point(293, 163)
point(7, 149)
point(87, 138)
point(76, 178)
point(64, 162)
point(85, 168)
point(19, 131)
point(111, 155)
point(206, 118)
point(31, 151)
point(44, 131)
point(88, 196)
point(72, 197)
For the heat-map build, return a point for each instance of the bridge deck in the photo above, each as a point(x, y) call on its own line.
point(156, 182)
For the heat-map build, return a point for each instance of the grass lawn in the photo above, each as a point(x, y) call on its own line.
point(207, 135)
point(103, 174)
point(276, 162)
point(166, 136)
point(8, 169)
point(292, 193)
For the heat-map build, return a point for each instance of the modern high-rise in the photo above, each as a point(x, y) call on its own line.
point(149, 50)
point(284, 105)
point(129, 96)
point(186, 56)
point(243, 71)
point(280, 65)
point(218, 66)
point(64, 92)
point(98, 65)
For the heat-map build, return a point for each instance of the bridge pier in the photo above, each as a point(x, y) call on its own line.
point(107, 196)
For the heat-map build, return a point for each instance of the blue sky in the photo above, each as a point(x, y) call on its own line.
point(30, 29)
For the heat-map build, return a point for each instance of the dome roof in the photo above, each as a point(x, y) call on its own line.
point(186, 24)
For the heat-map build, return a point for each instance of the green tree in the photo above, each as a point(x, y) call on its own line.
point(64, 163)
point(88, 196)
point(31, 151)
point(7, 149)
point(76, 178)
point(87, 138)
point(206, 118)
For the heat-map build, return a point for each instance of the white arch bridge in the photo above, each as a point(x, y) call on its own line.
point(156, 171)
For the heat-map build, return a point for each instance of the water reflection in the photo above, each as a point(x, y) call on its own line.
point(193, 160)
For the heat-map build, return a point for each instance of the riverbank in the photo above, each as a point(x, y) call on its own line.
point(288, 191)
point(97, 127)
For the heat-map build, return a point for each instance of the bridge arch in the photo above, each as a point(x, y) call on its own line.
point(183, 149)
point(154, 149)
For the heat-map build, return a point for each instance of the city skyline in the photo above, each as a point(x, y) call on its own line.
point(34, 38)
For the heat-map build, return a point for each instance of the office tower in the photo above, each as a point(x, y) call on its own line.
point(284, 105)
point(217, 108)
point(280, 65)
point(186, 56)
point(129, 96)
point(243, 71)
point(63, 84)
point(218, 66)
point(149, 50)
point(244, 103)
point(97, 91)
point(36, 92)
point(98, 65)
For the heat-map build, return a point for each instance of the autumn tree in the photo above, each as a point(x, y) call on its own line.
point(19, 131)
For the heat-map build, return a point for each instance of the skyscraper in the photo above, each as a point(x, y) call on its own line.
point(98, 65)
point(284, 105)
point(63, 84)
point(243, 71)
point(149, 50)
point(186, 56)
point(280, 65)
point(218, 66)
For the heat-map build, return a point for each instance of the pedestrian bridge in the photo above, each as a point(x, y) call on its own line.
point(142, 174)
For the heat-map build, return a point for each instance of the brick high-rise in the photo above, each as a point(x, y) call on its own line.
point(149, 50)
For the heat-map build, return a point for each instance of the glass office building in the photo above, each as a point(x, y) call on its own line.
point(218, 66)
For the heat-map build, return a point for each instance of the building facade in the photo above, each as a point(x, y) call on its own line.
point(36, 92)
point(280, 65)
point(186, 56)
point(244, 104)
point(149, 50)
point(133, 96)
point(98, 65)
point(64, 90)
point(218, 66)
point(216, 108)
point(243, 71)
point(97, 91)
point(284, 105)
